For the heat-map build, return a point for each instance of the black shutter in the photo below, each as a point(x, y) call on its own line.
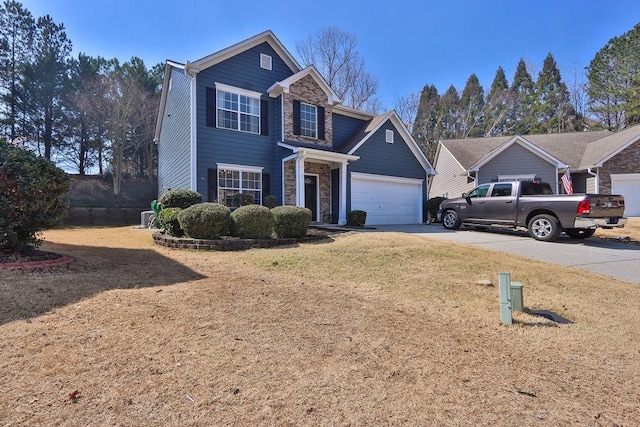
point(211, 107)
point(296, 117)
point(266, 184)
point(264, 117)
point(212, 184)
point(320, 122)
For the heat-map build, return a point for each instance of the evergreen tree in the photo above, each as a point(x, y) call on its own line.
point(521, 118)
point(614, 81)
point(17, 28)
point(47, 82)
point(551, 103)
point(499, 105)
point(472, 108)
point(426, 125)
point(448, 125)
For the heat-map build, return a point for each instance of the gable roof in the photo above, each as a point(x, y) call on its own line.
point(221, 55)
point(283, 86)
point(372, 126)
point(601, 150)
point(560, 148)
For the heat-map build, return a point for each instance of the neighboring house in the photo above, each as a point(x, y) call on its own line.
point(249, 119)
point(600, 162)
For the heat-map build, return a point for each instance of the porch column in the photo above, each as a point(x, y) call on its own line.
point(300, 200)
point(342, 205)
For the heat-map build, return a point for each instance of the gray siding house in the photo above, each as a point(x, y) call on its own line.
point(600, 162)
point(249, 119)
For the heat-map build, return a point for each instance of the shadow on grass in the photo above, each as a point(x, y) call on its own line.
point(28, 293)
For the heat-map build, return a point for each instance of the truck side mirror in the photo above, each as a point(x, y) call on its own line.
point(465, 195)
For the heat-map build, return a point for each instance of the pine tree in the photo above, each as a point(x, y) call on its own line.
point(17, 28)
point(499, 105)
point(472, 108)
point(448, 125)
point(614, 81)
point(425, 127)
point(521, 118)
point(551, 103)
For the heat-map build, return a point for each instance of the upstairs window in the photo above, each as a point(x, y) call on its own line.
point(237, 109)
point(308, 120)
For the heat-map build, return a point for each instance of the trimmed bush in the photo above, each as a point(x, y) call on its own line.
point(432, 206)
point(270, 201)
point(243, 199)
point(168, 219)
point(252, 222)
point(32, 197)
point(205, 221)
point(291, 221)
point(356, 218)
point(179, 199)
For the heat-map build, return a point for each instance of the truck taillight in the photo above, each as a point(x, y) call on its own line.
point(584, 207)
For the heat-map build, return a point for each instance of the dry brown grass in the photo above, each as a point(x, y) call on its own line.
point(368, 329)
point(630, 230)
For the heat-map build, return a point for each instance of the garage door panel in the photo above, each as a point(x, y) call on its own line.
point(629, 186)
point(395, 202)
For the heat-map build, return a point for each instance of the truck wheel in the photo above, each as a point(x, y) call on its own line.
point(450, 220)
point(544, 227)
point(580, 233)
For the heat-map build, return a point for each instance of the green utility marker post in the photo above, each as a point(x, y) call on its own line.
point(504, 281)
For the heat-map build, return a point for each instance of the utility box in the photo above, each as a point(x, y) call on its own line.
point(517, 300)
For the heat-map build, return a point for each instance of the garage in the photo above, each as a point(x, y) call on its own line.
point(387, 199)
point(628, 185)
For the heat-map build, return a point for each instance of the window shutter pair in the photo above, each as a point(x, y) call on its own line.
point(296, 119)
point(212, 111)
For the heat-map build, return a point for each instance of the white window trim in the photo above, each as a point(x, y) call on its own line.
point(240, 92)
point(316, 122)
point(237, 90)
point(266, 62)
point(238, 168)
point(389, 136)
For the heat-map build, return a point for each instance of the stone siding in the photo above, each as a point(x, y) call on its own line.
point(307, 90)
point(324, 185)
point(627, 161)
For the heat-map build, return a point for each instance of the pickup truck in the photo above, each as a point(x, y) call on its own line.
point(534, 206)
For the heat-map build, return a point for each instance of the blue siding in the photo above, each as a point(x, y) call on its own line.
point(230, 146)
point(344, 128)
point(174, 144)
point(382, 158)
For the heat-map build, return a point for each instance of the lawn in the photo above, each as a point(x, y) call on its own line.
point(362, 329)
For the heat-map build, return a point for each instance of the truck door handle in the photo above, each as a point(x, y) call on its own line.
point(509, 201)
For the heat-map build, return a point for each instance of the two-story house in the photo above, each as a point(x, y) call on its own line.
point(250, 119)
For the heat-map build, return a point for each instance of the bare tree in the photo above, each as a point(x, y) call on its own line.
point(333, 52)
point(407, 109)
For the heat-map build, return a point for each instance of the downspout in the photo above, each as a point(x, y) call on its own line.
point(194, 128)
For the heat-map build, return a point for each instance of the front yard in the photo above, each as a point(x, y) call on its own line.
point(365, 329)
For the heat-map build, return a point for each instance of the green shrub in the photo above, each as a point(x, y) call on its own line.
point(32, 197)
point(252, 222)
point(432, 206)
point(205, 221)
point(356, 218)
point(168, 219)
point(242, 199)
point(291, 221)
point(270, 201)
point(179, 199)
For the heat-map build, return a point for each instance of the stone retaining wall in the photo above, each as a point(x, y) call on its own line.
point(233, 244)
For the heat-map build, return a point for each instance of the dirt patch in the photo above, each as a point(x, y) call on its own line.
point(366, 329)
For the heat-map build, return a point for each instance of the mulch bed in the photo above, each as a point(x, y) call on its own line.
point(28, 255)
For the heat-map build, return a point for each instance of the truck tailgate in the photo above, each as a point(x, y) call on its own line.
point(604, 206)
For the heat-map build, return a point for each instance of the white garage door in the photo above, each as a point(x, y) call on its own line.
point(386, 199)
point(628, 185)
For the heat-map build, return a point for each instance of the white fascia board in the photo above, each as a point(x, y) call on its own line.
point(352, 112)
point(312, 153)
point(283, 86)
point(406, 137)
point(231, 51)
point(239, 91)
point(524, 143)
point(163, 99)
point(386, 178)
point(243, 168)
point(616, 152)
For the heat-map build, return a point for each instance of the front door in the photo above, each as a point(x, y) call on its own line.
point(311, 195)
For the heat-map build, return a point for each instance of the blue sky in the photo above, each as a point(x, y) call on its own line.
point(406, 44)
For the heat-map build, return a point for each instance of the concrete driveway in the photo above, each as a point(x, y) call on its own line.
point(609, 258)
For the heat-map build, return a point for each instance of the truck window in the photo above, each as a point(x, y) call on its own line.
point(480, 191)
point(501, 190)
point(535, 188)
